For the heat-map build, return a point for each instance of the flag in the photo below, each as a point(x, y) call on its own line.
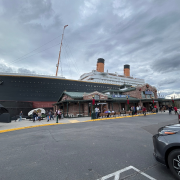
point(127, 101)
point(93, 101)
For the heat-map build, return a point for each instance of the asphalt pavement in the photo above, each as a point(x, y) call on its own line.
point(84, 151)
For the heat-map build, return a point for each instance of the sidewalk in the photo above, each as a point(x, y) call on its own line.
point(25, 123)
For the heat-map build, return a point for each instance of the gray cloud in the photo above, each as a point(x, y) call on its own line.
point(142, 34)
point(170, 63)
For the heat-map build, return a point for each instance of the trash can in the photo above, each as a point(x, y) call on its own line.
point(93, 115)
point(4, 115)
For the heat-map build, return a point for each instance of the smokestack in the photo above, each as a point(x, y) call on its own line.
point(100, 65)
point(126, 70)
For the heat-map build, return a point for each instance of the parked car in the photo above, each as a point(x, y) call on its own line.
point(167, 148)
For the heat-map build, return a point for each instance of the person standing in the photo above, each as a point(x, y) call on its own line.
point(96, 111)
point(137, 109)
point(39, 115)
point(34, 116)
point(59, 114)
point(62, 115)
point(20, 116)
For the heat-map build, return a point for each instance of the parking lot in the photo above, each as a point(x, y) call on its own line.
point(110, 149)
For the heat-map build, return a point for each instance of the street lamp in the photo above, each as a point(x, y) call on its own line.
point(172, 101)
point(153, 101)
point(93, 108)
point(127, 103)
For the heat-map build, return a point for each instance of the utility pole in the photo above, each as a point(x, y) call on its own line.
point(57, 65)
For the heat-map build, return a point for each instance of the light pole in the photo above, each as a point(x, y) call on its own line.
point(153, 101)
point(172, 101)
point(127, 103)
point(93, 108)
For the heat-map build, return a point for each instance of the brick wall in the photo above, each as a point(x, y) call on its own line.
point(137, 93)
point(74, 109)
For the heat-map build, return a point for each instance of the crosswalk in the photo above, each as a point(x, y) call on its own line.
point(74, 121)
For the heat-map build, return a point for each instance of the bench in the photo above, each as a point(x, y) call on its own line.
point(123, 112)
point(129, 112)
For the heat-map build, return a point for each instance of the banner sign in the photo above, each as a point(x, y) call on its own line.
point(148, 92)
point(120, 96)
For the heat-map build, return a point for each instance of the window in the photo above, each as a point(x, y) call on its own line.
point(96, 96)
point(143, 95)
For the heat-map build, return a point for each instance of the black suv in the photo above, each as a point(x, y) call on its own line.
point(167, 148)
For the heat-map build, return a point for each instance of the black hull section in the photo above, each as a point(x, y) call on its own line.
point(15, 107)
point(27, 88)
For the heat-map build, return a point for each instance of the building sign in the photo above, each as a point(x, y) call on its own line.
point(120, 96)
point(148, 92)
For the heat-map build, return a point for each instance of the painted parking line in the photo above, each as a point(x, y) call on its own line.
point(74, 121)
point(117, 174)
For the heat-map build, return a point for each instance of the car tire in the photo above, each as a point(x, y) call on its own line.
point(174, 163)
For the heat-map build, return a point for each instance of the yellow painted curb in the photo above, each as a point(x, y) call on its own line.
point(28, 127)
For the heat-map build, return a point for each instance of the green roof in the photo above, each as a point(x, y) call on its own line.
point(75, 95)
point(130, 98)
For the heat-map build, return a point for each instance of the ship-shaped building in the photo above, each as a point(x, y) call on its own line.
point(99, 76)
point(18, 91)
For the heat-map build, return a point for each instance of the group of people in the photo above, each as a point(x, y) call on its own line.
point(37, 115)
point(170, 108)
point(58, 114)
point(135, 109)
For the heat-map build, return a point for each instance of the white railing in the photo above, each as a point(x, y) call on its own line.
point(36, 75)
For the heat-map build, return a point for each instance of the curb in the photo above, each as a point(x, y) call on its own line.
point(53, 124)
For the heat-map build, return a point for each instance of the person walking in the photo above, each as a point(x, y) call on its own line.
point(52, 114)
point(144, 111)
point(175, 109)
point(20, 116)
point(47, 115)
point(170, 109)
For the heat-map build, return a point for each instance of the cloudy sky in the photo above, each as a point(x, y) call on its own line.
point(142, 33)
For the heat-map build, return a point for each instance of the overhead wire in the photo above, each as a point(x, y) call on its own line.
point(34, 54)
point(34, 50)
point(73, 62)
point(68, 61)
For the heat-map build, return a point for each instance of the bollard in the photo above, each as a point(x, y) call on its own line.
point(56, 119)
